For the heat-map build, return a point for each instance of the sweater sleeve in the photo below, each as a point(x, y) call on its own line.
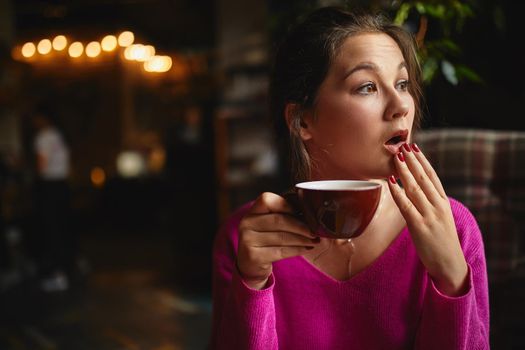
point(459, 322)
point(243, 318)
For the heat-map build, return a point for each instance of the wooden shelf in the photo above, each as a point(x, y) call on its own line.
point(242, 136)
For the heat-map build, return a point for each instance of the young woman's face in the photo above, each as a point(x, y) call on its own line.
point(361, 106)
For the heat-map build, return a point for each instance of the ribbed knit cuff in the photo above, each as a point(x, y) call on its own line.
point(436, 293)
point(237, 280)
point(257, 311)
point(251, 300)
point(451, 315)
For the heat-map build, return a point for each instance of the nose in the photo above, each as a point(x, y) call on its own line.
point(398, 105)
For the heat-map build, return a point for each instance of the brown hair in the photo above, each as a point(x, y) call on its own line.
point(302, 62)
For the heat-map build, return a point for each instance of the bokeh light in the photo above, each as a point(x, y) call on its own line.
point(28, 50)
point(76, 49)
point(157, 159)
point(149, 51)
point(98, 177)
point(93, 49)
point(126, 38)
point(44, 46)
point(139, 52)
point(127, 53)
point(109, 43)
point(158, 64)
point(59, 43)
point(130, 164)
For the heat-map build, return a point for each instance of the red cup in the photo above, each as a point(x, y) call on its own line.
point(338, 208)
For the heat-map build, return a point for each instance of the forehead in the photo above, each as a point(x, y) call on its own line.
point(378, 48)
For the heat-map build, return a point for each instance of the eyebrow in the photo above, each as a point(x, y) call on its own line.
point(370, 66)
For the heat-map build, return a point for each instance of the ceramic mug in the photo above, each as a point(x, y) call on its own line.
point(336, 208)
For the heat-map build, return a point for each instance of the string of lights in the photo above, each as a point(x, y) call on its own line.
point(145, 54)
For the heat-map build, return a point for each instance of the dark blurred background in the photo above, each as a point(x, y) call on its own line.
point(161, 153)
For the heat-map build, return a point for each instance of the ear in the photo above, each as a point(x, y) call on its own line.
point(296, 119)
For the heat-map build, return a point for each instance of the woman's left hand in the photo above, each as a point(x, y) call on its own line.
point(426, 209)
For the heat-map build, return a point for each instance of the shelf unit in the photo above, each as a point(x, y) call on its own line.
point(245, 155)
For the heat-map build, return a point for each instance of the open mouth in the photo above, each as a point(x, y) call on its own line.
point(395, 140)
point(400, 137)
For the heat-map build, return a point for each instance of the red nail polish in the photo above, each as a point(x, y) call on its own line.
point(415, 148)
point(401, 156)
point(406, 147)
point(392, 179)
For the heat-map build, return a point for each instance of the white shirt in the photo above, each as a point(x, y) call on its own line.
point(50, 146)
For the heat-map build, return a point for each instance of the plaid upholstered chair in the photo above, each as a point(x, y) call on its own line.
point(485, 170)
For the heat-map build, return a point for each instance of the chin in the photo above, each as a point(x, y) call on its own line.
point(387, 170)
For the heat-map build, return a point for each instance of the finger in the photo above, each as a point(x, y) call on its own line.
point(271, 203)
point(429, 170)
point(409, 212)
point(411, 189)
point(278, 253)
point(420, 176)
point(285, 239)
point(277, 222)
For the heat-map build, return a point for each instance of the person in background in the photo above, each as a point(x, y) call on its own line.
point(57, 253)
point(345, 94)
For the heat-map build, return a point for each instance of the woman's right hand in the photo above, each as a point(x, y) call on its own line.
point(269, 232)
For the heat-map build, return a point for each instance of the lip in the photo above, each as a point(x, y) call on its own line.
point(394, 148)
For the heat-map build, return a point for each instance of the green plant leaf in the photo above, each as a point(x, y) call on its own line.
point(464, 72)
point(420, 7)
point(437, 10)
point(462, 9)
point(402, 13)
point(451, 46)
point(444, 46)
point(429, 68)
point(449, 71)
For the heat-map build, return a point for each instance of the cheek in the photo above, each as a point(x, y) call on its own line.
point(352, 139)
point(412, 109)
point(347, 124)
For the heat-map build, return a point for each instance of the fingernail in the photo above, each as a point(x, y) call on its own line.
point(415, 148)
point(406, 147)
point(401, 156)
point(392, 179)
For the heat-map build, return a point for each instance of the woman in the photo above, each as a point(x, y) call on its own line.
point(346, 92)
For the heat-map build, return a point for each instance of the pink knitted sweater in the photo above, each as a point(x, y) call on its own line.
point(392, 304)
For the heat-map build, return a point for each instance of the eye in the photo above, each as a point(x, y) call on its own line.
point(403, 85)
point(367, 88)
